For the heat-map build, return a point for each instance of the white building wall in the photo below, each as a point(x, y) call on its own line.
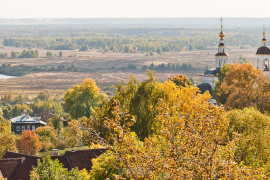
point(260, 61)
point(210, 80)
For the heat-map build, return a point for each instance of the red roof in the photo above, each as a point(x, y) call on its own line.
point(12, 167)
point(8, 165)
point(79, 158)
point(22, 170)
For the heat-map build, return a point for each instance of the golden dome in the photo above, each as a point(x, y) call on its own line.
point(221, 34)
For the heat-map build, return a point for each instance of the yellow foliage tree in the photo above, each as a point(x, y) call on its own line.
point(82, 99)
point(73, 133)
point(7, 139)
point(190, 141)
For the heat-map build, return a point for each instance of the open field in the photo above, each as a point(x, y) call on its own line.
point(105, 68)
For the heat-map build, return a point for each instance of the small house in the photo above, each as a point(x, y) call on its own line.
point(25, 122)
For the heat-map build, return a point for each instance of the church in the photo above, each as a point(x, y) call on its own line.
point(210, 76)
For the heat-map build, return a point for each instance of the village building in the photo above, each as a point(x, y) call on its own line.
point(16, 166)
point(263, 56)
point(25, 122)
point(210, 75)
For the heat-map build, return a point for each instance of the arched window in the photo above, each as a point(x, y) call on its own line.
point(266, 65)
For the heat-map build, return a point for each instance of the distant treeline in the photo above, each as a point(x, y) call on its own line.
point(20, 70)
point(114, 44)
point(133, 40)
point(169, 66)
point(24, 54)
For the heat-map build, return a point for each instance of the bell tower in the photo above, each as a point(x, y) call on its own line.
point(222, 55)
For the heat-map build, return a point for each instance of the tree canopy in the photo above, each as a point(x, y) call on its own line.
point(82, 99)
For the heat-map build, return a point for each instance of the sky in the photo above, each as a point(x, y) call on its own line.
point(133, 8)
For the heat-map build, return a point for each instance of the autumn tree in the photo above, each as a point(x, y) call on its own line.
point(190, 142)
point(181, 80)
point(47, 137)
point(245, 86)
point(82, 99)
point(7, 139)
point(253, 128)
point(29, 143)
point(73, 133)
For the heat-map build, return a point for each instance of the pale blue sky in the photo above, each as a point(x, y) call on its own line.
point(133, 8)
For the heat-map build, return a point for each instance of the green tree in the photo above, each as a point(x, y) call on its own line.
point(219, 94)
point(143, 105)
point(253, 128)
point(52, 169)
point(48, 54)
point(242, 59)
point(82, 99)
point(13, 54)
point(84, 47)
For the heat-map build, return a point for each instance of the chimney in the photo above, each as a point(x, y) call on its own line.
point(22, 159)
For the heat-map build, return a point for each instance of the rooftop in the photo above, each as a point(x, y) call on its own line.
point(27, 119)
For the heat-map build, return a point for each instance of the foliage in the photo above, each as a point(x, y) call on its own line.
point(52, 169)
point(16, 70)
point(29, 54)
point(48, 54)
point(73, 133)
point(191, 141)
point(47, 137)
point(44, 107)
point(181, 80)
point(82, 99)
point(44, 95)
point(84, 47)
point(219, 94)
point(7, 139)
point(106, 166)
point(253, 128)
point(143, 105)
point(246, 86)
point(242, 59)
point(29, 143)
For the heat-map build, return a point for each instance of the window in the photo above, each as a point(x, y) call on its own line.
point(28, 127)
point(33, 127)
point(23, 128)
point(18, 128)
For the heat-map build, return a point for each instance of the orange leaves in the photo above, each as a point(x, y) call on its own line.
point(245, 86)
point(29, 143)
